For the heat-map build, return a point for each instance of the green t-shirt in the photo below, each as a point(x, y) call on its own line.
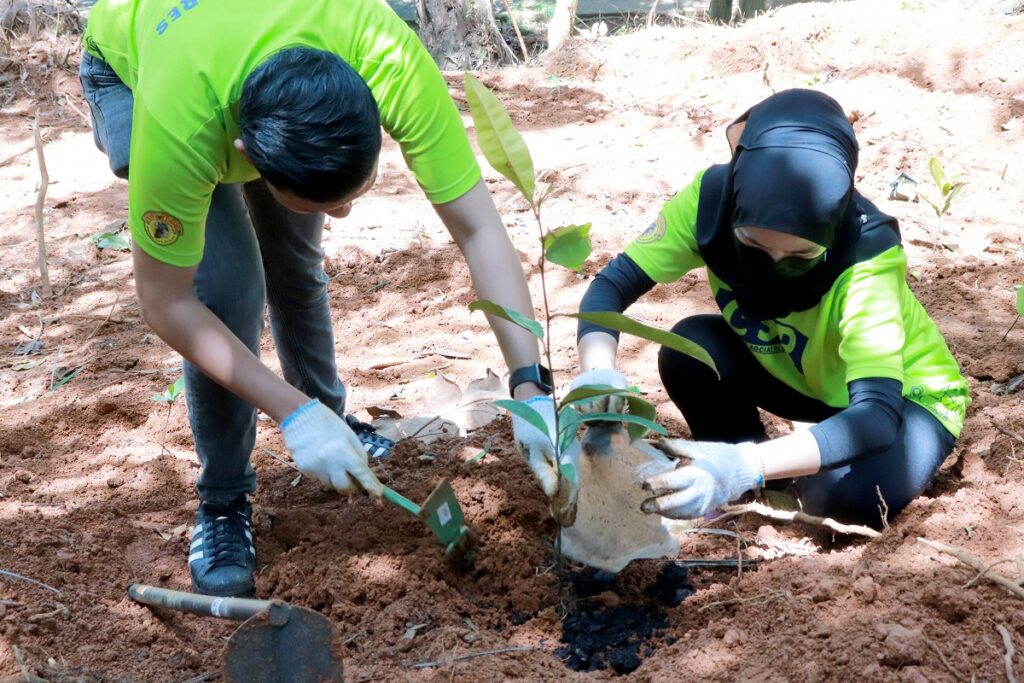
point(186, 61)
point(869, 324)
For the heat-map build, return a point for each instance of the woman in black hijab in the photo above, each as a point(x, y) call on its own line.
point(816, 324)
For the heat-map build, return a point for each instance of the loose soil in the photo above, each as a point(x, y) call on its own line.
point(90, 501)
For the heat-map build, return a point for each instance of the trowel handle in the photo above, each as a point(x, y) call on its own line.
point(193, 603)
point(401, 501)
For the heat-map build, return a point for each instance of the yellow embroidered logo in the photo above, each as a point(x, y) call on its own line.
point(162, 228)
point(654, 232)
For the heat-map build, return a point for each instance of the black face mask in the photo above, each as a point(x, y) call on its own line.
point(758, 265)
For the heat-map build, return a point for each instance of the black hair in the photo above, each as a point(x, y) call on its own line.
point(310, 124)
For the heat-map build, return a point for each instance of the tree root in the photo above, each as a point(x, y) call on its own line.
point(796, 516)
point(975, 563)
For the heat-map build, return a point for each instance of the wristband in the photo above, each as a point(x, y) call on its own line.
point(536, 373)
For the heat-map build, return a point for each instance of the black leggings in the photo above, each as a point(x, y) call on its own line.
point(726, 410)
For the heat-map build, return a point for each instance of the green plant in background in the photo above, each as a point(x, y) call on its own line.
point(108, 239)
point(1020, 310)
point(948, 189)
point(567, 246)
point(170, 396)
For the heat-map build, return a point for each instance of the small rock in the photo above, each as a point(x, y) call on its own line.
point(866, 589)
point(591, 118)
point(24, 476)
point(471, 637)
point(901, 646)
point(29, 452)
point(115, 481)
point(825, 590)
point(732, 638)
point(609, 599)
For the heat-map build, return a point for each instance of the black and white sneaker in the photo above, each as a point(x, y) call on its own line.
point(376, 445)
point(222, 557)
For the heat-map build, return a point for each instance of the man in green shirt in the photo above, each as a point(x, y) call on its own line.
point(239, 124)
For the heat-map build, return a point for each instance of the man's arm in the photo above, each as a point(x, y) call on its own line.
point(497, 274)
point(170, 307)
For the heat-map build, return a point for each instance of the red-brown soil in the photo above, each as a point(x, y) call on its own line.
point(90, 502)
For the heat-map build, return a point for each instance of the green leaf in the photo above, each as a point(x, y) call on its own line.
point(508, 314)
point(524, 411)
point(568, 246)
point(593, 391)
point(174, 390)
point(938, 173)
point(110, 240)
point(935, 207)
point(568, 424)
point(1020, 299)
point(499, 140)
point(568, 471)
point(480, 456)
point(640, 408)
point(627, 418)
point(621, 323)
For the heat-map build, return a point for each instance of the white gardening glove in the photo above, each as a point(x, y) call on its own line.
point(539, 448)
point(605, 377)
point(325, 448)
point(718, 474)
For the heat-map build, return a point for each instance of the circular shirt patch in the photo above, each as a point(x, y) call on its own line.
point(162, 228)
point(654, 232)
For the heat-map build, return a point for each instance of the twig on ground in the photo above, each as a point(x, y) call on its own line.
point(945, 662)
point(797, 516)
point(12, 575)
point(26, 675)
point(1010, 652)
point(974, 562)
point(981, 574)
point(759, 599)
point(348, 639)
point(117, 300)
point(275, 456)
point(473, 655)
point(58, 610)
point(883, 507)
point(1007, 432)
point(203, 678)
point(44, 182)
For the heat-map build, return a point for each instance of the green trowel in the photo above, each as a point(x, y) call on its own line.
point(443, 515)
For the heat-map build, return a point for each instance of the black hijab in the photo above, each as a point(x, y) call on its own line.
point(792, 171)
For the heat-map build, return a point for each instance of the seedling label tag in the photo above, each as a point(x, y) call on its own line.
point(444, 514)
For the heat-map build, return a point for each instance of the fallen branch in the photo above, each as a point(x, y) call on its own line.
point(1012, 434)
point(473, 655)
point(12, 575)
point(519, 35)
point(974, 562)
point(1010, 652)
point(117, 299)
point(44, 182)
point(797, 516)
point(58, 610)
point(24, 149)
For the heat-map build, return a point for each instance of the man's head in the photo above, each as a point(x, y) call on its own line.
point(310, 126)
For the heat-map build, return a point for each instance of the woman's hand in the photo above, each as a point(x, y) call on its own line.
point(717, 474)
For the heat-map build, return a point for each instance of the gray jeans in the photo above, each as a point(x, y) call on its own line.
point(256, 253)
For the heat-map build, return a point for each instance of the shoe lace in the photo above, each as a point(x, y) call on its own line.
point(224, 531)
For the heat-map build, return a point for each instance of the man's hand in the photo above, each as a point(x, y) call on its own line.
point(718, 473)
point(539, 448)
point(601, 404)
point(325, 448)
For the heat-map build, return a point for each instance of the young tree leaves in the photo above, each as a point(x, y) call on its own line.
point(500, 143)
point(568, 246)
point(508, 314)
point(524, 411)
point(622, 323)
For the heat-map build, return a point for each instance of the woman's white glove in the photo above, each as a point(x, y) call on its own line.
point(325, 448)
point(718, 474)
point(537, 447)
point(601, 404)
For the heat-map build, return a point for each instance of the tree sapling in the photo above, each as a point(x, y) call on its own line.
point(170, 397)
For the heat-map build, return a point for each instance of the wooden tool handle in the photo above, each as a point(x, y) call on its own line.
point(238, 609)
